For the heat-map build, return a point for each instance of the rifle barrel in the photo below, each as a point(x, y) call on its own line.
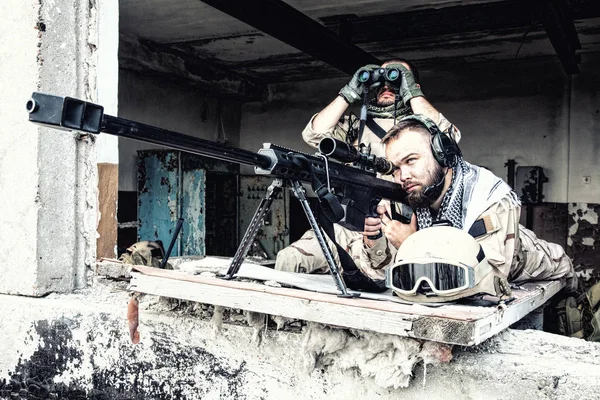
point(78, 115)
point(73, 114)
point(191, 144)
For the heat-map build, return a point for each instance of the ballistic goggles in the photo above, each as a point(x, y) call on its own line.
point(435, 276)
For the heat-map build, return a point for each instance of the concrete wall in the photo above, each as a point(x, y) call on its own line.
point(48, 222)
point(185, 109)
point(78, 346)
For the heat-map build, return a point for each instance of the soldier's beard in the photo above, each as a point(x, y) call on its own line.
point(431, 191)
point(385, 103)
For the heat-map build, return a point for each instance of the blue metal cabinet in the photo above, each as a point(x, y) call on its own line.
point(172, 184)
point(167, 192)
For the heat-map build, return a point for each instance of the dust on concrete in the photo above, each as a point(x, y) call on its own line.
point(545, 365)
point(388, 359)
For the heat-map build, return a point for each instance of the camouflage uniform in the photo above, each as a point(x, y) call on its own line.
point(305, 255)
point(514, 251)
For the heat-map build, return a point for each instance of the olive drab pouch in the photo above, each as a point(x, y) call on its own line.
point(576, 317)
point(146, 252)
point(569, 317)
point(593, 298)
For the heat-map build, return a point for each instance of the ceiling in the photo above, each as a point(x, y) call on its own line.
point(309, 39)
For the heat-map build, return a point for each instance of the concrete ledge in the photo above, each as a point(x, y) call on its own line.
point(78, 345)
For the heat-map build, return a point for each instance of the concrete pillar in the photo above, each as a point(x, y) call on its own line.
point(48, 178)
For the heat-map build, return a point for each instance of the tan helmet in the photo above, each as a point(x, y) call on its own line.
point(440, 264)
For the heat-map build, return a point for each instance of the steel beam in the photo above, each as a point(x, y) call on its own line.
point(292, 27)
point(557, 20)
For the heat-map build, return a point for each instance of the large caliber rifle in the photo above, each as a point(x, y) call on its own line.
point(346, 194)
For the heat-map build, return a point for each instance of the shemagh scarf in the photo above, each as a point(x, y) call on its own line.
point(451, 208)
point(472, 191)
point(375, 111)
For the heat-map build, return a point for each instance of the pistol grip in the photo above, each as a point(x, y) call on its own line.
point(373, 213)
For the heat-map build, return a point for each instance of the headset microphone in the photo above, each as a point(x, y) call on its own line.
point(430, 188)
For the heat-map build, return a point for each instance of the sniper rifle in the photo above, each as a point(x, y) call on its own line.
point(347, 194)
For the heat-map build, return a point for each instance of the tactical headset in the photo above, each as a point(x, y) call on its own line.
point(444, 148)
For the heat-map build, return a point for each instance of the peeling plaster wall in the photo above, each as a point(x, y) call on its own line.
point(48, 223)
point(188, 110)
point(78, 346)
point(583, 242)
point(585, 134)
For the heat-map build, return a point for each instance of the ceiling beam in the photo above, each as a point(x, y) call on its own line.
point(484, 17)
point(294, 28)
point(557, 20)
point(436, 22)
point(554, 15)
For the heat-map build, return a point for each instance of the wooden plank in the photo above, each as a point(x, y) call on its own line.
point(270, 303)
point(532, 296)
point(454, 324)
point(455, 311)
point(108, 185)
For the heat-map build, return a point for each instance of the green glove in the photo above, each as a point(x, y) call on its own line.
point(408, 87)
point(354, 89)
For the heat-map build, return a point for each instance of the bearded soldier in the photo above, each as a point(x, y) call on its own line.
point(444, 189)
point(392, 102)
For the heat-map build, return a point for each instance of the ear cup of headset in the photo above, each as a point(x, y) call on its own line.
point(445, 149)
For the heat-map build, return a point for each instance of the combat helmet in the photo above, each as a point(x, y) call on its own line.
point(441, 264)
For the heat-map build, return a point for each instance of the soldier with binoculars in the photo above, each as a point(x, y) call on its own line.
point(397, 94)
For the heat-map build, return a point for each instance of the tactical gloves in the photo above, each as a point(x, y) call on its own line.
point(408, 87)
point(353, 91)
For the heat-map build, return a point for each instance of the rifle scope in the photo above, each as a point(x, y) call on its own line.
point(347, 153)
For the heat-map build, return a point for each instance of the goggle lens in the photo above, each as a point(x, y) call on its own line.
point(443, 276)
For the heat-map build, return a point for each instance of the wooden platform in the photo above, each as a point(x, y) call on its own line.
point(458, 324)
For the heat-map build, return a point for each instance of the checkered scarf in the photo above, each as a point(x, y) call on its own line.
point(452, 203)
point(472, 191)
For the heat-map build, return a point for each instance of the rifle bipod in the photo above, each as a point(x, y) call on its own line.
point(263, 208)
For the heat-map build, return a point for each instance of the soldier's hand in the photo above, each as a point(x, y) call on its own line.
point(408, 87)
point(395, 231)
point(354, 89)
point(373, 227)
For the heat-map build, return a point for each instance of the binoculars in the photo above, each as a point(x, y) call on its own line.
point(380, 75)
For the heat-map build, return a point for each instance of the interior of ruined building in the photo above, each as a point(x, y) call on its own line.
point(520, 80)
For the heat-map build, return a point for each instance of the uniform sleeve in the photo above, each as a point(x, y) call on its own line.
point(502, 233)
point(448, 128)
point(380, 255)
point(312, 137)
